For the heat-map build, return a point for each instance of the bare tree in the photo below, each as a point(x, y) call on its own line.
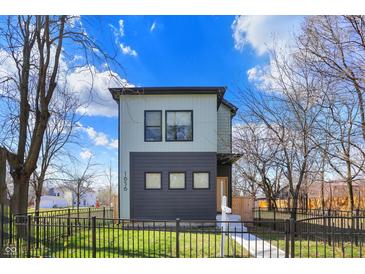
point(33, 47)
point(335, 45)
point(258, 167)
point(242, 183)
point(345, 148)
point(79, 182)
point(108, 176)
point(289, 109)
point(59, 133)
point(337, 48)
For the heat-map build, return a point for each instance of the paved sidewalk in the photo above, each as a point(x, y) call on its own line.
point(255, 245)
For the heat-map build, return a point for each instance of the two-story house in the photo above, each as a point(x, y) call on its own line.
point(175, 151)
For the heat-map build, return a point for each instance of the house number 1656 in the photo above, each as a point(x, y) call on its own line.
point(125, 179)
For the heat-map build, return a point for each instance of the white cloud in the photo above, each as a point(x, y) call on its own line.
point(86, 154)
point(98, 138)
point(91, 86)
point(153, 27)
point(127, 50)
point(259, 31)
point(114, 143)
point(263, 33)
point(121, 27)
point(88, 83)
point(259, 75)
point(118, 34)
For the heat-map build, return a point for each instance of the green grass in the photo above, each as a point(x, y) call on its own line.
point(322, 248)
point(112, 243)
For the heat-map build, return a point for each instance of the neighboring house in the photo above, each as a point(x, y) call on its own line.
point(49, 201)
point(86, 200)
point(175, 151)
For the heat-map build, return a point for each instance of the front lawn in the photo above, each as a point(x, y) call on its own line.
point(114, 243)
point(320, 246)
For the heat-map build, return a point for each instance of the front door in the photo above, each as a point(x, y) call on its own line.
point(221, 181)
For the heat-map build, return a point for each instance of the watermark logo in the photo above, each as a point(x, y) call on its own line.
point(10, 250)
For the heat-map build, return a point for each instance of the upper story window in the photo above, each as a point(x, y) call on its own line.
point(153, 126)
point(179, 125)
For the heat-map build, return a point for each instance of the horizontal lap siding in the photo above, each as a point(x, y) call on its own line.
point(167, 203)
point(224, 129)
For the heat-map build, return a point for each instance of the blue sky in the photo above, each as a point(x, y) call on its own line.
point(177, 51)
point(166, 51)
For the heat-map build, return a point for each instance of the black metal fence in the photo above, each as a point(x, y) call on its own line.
point(284, 213)
point(104, 237)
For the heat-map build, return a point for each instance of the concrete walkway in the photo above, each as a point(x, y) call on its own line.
point(256, 246)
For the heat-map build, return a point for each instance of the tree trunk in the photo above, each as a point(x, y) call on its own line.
point(294, 206)
point(322, 191)
point(37, 203)
point(19, 203)
point(78, 205)
point(19, 199)
point(349, 187)
point(3, 187)
point(38, 192)
point(269, 204)
point(351, 196)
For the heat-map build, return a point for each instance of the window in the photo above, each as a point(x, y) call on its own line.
point(153, 126)
point(176, 180)
point(200, 180)
point(153, 180)
point(179, 125)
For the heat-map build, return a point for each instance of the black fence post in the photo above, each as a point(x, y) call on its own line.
point(89, 212)
point(177, 238)
point(36, 219)
point(287, 231)
point(29, 227)
point(10, 219)
point(274, 218)
point(292, 237)
point(68, 222)
point(259, 213)
point(1, 229)
point(93, 232)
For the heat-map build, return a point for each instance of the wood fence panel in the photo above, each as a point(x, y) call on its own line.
point(243, 206)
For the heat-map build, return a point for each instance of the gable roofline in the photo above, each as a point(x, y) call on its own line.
point(231, 106)
point(218, 90)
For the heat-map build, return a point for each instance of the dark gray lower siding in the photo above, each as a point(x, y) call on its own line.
point(166, 203)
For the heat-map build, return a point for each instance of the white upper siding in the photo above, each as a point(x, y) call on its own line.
point(224, 129)
point(204, 109)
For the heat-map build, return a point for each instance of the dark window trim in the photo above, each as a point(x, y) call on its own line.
point(145, 180)
point(184, 180)
point(145, 126)
point(192, 125)
point(199, 188)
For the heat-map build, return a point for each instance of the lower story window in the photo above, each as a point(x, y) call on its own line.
point(201, 180)
point(153, 180)
point(176, 180)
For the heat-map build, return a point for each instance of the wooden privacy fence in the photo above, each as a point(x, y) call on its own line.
point(243, 206)
point(336, 203)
